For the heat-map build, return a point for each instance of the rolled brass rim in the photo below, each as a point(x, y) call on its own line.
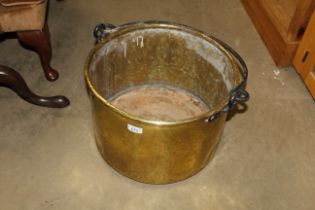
point(120, 30)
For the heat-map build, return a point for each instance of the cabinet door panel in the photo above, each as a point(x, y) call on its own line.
point(304, 60)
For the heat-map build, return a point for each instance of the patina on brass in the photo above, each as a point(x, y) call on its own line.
point(153, 151)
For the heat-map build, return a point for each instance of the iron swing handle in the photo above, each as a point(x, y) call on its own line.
point(101, 30)
point(237, 94)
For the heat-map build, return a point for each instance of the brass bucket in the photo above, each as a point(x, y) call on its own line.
point(153, 150)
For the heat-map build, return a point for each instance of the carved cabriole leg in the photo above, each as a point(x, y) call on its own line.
point(13, 80)
point(40, 41)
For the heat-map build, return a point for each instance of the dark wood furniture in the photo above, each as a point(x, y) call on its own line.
point(13, 80)
point(26, 18)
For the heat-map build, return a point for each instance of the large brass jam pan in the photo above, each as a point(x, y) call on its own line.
point(144, 53)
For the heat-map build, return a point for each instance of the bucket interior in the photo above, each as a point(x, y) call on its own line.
point(162, 74)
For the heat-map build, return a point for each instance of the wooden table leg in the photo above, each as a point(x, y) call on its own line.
point(13, 80)
point(40, 41)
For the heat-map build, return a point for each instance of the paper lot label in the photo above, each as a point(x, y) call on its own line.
point(135, 129)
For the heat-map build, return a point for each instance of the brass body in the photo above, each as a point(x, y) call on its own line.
point(163, 152)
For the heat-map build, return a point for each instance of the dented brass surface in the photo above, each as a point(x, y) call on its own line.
point(154, 151)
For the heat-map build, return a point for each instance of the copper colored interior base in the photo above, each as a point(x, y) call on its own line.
point(160, 103)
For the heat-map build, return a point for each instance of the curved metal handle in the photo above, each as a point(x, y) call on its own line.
point(242, 64)
point(102, 30)
point(238, 94)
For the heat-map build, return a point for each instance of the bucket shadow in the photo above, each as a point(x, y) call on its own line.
point(237, 109)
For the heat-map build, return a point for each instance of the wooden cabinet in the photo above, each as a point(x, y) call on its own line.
point(304, 60)
point(281, 24)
